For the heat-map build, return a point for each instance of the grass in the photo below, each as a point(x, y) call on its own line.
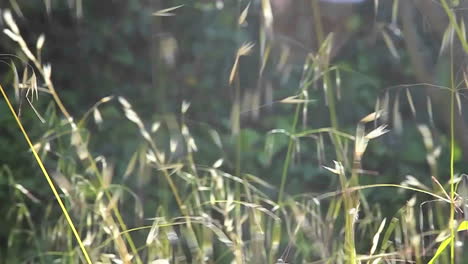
point(223, 215)
point(48, 178)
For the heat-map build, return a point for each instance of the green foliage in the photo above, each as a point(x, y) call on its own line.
point(144, 178)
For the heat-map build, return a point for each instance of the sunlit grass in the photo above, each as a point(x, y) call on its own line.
point(223, 214)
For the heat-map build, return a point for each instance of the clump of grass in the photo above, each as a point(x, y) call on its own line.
point(223, 215)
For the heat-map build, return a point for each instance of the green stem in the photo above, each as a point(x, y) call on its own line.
point(452, 154)
point(284, 174)
point(350, 201)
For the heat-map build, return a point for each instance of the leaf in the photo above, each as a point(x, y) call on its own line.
point(8, 17)
point(160, 261)
point(40, 42)
point(267, 15)
point(391, 46)
point(47, 71)
point(294, 100)
point(131, 165)
point(446, 39)
point(395, 11)
point(372, 117)
point(465, 77)
point(244, 50)
point(429, 110)
point(338, 84)
point(375, 240)
point(463, 30)
point(459, 105)
point(377, 132)
point(154, 231)
point(410, 102)
point(155, 126)
point(124, 102)
point(376, 7)
point(12, 35)
point(132, 116)
point(167, 11)
point(397, 120)
point(185, 106)
point(97, 116)
point(463, 227)
point(27, 193)
point(35, 111)
point(338, 170)
point(15, 80)
point(218, 163)
point(234, 70)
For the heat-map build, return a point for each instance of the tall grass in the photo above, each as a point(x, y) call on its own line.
point(223, 215)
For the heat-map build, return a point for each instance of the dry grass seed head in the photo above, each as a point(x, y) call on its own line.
point(379, 131)
point(40, 43)
point(244, 50)
point(243, 15)
point(338, 170)
point(267, 17)
point(372, 116)
point(8, 18)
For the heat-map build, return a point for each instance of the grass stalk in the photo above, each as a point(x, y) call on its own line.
point(238, 135)
point(284, 174)
point(238, 159)
point(452, 155)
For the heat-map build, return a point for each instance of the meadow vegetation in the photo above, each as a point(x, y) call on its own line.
point(240, 148)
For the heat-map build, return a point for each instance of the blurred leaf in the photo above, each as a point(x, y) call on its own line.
point(167, 11)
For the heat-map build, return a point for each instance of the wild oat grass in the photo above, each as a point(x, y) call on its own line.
point(224, 216)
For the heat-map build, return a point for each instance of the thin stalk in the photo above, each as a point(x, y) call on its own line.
point(325, 130)
point(452, 155)
point(238, 125)
point(237, 113)
point(195, 186)
point(284, 174)
point(237, 100)
point(172, 186)
point(326, 80)
point(238, 251)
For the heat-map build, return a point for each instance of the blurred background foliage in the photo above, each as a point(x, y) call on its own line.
point(102, 48)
